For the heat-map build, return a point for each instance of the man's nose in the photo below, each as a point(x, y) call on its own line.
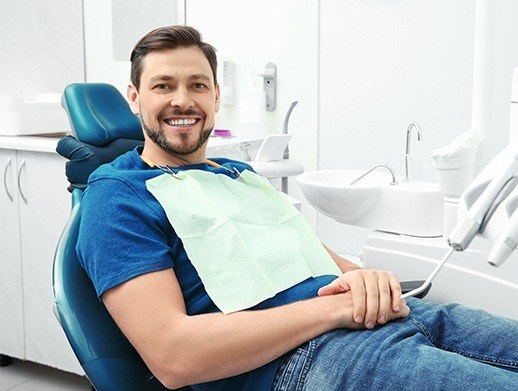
point(182, 98)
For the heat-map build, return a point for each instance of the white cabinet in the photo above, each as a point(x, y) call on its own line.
point(34, 207)
point(11, 296)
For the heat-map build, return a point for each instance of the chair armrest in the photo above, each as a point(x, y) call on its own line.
point(85, 158)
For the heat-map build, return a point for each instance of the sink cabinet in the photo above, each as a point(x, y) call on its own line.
point(34, 206)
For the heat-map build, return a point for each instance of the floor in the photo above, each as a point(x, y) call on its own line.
point(28, 376)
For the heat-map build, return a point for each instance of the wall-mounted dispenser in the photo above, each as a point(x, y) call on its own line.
point(227, 83)
point(270, 85)
point(251, 108)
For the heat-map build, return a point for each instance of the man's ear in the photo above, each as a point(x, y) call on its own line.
point(133, 99)
point(218, 100)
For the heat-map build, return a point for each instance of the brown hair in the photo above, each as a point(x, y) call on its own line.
point(169, 37)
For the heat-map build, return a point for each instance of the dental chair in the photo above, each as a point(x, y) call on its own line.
point(103, 128)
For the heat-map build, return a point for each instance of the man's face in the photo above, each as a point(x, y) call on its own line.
point(177, 103)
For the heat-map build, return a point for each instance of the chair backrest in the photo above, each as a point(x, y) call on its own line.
point(108, 359)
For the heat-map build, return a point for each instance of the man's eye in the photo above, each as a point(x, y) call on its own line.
point(199, 85)
point(162, 87)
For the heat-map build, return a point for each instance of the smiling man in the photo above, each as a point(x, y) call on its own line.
point(218, 281)
point(179, 130)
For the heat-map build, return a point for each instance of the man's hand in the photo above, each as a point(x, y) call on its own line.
point(376, 295)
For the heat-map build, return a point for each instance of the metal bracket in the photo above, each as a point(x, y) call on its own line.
point(270, 85)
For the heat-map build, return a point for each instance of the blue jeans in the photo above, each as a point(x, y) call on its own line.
point(438, 347)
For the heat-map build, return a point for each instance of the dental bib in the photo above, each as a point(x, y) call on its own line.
point(246, 241)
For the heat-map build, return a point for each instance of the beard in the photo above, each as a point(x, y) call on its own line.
point(181, 147)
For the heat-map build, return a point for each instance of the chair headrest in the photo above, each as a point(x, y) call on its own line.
point(99, 114)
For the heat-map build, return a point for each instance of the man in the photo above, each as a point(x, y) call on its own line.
point(158, 240)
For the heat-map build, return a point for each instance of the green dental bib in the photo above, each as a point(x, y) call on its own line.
point(246, 241)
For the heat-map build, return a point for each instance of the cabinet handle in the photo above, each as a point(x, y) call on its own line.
point(9, 162)
point(22, 166)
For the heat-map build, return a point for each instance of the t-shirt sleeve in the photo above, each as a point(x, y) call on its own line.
point(121, 236)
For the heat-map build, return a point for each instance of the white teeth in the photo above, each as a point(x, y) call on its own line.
point(181, 122)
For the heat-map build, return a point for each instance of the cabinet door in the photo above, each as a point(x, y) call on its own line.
point(44, 209)
point(11, 298)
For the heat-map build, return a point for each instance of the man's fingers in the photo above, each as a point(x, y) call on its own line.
point(385, 302)
point(333, 288)
point(395, 288)
point(376, 295)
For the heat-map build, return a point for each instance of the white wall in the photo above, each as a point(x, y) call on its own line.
point(99, 50)
point(503, 56)
point(41, 46)
point(362, 70)
point(282, 32)
point(386, 64)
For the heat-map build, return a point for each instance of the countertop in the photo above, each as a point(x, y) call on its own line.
point(31, 143)
point(49, 142)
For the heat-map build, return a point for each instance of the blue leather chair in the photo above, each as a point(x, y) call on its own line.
point(103, 128)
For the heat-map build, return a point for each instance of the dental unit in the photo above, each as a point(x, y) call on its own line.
point(485, 207)
point(488, 207)
point(487, 193)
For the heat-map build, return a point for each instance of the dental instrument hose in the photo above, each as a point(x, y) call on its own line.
point(432, 275)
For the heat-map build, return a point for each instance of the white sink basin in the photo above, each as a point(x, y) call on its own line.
point(410, 208)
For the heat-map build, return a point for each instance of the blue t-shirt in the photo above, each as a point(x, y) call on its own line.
point(125, 233)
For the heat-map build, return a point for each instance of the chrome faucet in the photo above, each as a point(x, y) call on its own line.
point(391, 170)
point(411, 127)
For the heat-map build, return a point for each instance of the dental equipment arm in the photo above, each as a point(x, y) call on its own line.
point(505, 243)
point(427, 284)
point(464, 232)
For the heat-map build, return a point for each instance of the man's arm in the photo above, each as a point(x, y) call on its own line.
point(181, 349)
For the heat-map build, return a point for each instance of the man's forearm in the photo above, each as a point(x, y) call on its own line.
point(211, 346)
point(180, 349)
